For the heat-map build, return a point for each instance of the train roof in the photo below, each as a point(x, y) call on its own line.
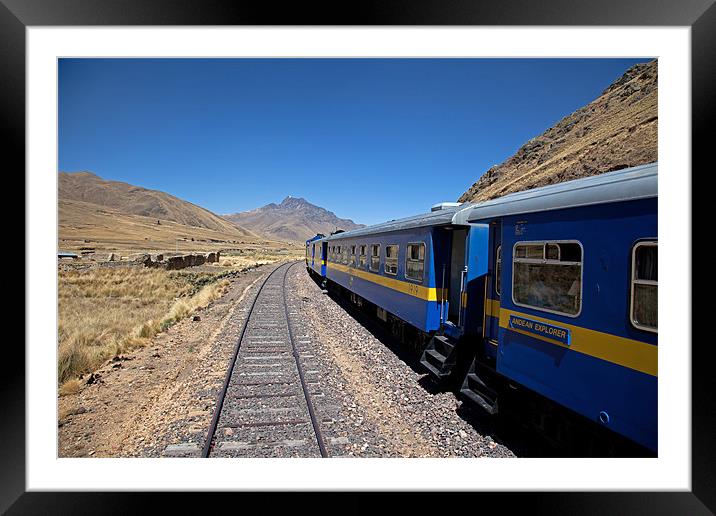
point(317, 237)
point(622, 185)
point(443, 217)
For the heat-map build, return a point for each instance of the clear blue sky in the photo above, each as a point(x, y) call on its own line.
point(370, 139)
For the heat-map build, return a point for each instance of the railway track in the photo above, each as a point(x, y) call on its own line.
point(266, 405)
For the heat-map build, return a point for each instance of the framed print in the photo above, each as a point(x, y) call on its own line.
point(99, 86)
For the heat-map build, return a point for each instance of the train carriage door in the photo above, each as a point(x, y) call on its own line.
point(493, 288)
point(313, 255)
point(476, 259)
point(457, 275)
point(468, 264)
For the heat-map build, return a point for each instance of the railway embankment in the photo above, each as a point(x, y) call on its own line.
point(159, 400)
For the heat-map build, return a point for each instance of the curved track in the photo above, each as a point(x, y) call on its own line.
point(265, 407)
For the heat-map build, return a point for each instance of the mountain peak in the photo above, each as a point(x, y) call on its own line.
point(294, 219)
point(293, 201)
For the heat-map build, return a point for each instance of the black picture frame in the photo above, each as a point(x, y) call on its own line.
point(700, 15)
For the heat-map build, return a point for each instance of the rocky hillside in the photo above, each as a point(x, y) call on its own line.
point(616, 130)
point(295, 219)
point(134, 200)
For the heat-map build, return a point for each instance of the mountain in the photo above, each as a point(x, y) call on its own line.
point(617, 130)
point(295, 219)
point(124, 198)
point(84, 225)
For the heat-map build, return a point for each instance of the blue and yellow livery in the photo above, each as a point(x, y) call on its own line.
point(553, 289)
point(315, 256)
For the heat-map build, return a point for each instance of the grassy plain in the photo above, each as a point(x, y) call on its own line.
point(107, 311)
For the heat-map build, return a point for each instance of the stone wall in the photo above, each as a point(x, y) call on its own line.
point(176, 262)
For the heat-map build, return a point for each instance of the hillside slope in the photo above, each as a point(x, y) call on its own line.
point(295, 219)
point(87, 225)
point(129, 199)
point(616, 130)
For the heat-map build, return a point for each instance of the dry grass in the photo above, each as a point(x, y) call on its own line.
point(104, 312)
point(252, 257)
point(241, 261)
point(70, 387)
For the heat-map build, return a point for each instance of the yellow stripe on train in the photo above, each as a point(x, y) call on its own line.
point(419, 291)
point(492, 307)
point(633, 354)
point(622, 351)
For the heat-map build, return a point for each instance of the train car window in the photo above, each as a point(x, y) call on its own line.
point(415, 262)
point(548, 276)
point(534, 251)
point(552, 252)
point(352, 262)
point(362, 257)
point(498, 269)
point(644, 286)
point(375, 257)
point(391, 259)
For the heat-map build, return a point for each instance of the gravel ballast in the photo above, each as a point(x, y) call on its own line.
point(384, 410)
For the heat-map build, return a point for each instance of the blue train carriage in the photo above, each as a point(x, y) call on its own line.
point(566, 305)
point(553, 289)
point(316, 255)
point(402, 267)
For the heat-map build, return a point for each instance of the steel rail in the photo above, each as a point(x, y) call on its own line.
point(222, 394)
point(304, 386)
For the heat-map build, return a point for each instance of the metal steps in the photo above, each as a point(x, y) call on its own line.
point(439, 356)
point(475, 389)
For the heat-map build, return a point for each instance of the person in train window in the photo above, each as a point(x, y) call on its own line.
point(540, 293)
